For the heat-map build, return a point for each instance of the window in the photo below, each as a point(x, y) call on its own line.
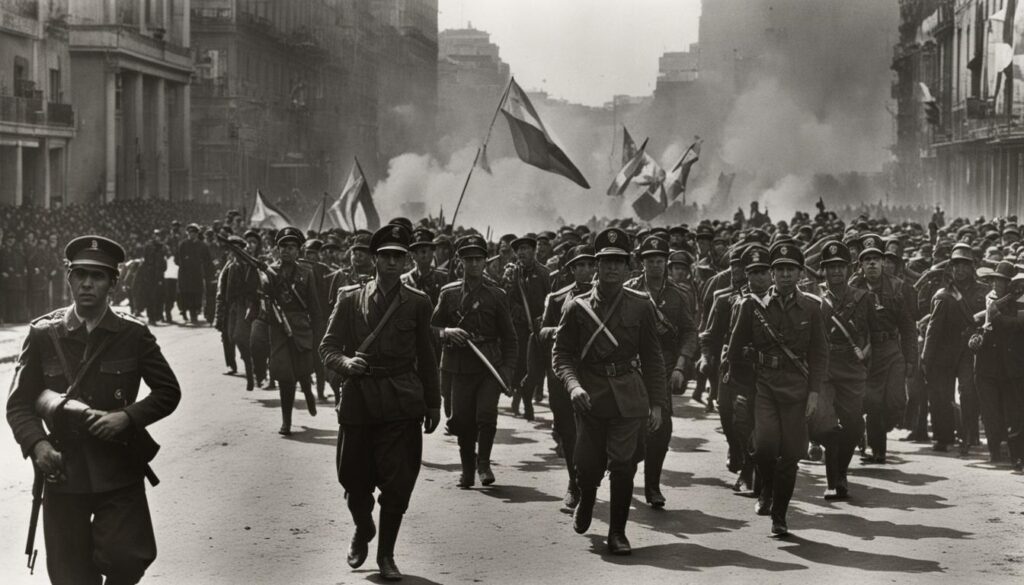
point(56, 91)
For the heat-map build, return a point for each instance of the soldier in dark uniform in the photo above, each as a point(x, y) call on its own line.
point(96, 518)
point(13, 280)
point(677, 334)
point(848, 313)
point(608, 357)
point(291, 356)
point(1000, 369)
point(238, 303)
point(360, 271)
point(216, 266)
point(789, 348)
point(194, 267)
point(475, 311)
point(583, 265)
point(893, 348)
point(736, 378)
point(424, 276)
point(527, 283)
point(37, 268)
point(322, 283)
point(948, 362)
point(380, 340)
point(151, 276)
point(220, 314)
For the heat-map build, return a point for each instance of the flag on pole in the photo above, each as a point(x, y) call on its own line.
point(320, 217)
point(652, 203)
point(485, 165)
point(675, 181)
point(355, 194)
point(265, 215)
point(629, 149)
point(629, 169)
point(533, 143)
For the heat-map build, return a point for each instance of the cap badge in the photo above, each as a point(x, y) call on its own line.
point(394, 232)
point(612, 236)
point(784, 250)
point(756, 257)
point(94, 245)
point(832, 249)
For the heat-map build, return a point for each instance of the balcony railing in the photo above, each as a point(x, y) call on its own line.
point(21, 110)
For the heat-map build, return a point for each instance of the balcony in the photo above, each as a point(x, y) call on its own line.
point(34, 111)
point(126, 39)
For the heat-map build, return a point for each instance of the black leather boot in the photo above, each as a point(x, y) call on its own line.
point(621, 496)
point(584, 512)
point(390, 522)
point(466, 478)
point(358, 549)
point(485, 442)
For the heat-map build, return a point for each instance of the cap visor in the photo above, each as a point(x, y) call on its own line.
point(393, 248)
point(612, 252)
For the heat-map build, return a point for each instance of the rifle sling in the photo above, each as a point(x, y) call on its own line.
point(602, 326)
point(778, 341)
point(75, 380)
point(380, 324)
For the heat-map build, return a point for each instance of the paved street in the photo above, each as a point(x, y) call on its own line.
point(239, 504)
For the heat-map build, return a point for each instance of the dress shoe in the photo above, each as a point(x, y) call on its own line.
point(618, 545)
point(710, 406)
point(359, 547)
point(741, 485)
point(584, 512)
point(940, 447)
point(814, 453)
point(231, 372)
point(466, 480)
point(388, 570)
point(572, 498)
point(873, 460)
point(285, 430)
point(779, 528)
point(249, 386)
point(485, 473)
point(837, 493)
point(515, 404)
point(654, 497)
point(1018, 465)
point(763, 507)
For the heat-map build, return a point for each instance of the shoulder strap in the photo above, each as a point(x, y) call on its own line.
point(602, 326)
point(800, 365)
point(75, 380)
point(380, 324)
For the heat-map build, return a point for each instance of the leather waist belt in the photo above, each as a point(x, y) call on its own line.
point(772, 362)
point(388, 372)
point(883, 337)
point(614, 369)
point(840, 347)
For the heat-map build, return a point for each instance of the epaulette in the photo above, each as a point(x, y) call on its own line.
point(451, 285)
point(129, 318)
point(562, 291)
point(44, 320)
point(636, 293)
point(351, 287)
point(414, 290)
point(811, 296)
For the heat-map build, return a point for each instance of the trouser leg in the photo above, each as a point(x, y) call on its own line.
point(968, 399)
point(123, 540)
point(993, 409)
point(286, 390)
point(942, 388)
point(564, 422)
point(67, 529)
point(656, 450)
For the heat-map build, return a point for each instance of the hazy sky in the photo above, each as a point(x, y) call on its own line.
point(585, 51)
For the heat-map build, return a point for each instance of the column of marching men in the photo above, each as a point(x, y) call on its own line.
point(810, 340)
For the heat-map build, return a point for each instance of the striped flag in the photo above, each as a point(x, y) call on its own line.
point(265, 215)
point(355, 194)
point(629, 149)
point(675, 182)
point(629, 169)
point(533, 143)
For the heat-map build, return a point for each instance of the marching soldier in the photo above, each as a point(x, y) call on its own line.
point(360, 271)
point(292, 289)
point(96, 518)
point(527, 283)
point(477, 359)
point(582, 265)
point(849, 318)
point(424, 276)
point(379, 339)
point(677, 334)
point(948, 362)
point(893, 347)
point(150, 277)
point(790, 354)
point(237, 302)
point(321, 281)
point(194, 267)
point(608, 357)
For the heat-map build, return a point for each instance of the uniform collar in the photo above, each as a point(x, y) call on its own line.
point(109, 321)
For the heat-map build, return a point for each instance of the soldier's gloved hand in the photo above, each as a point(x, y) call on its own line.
point(677, 379)
point(431, 420)
point(110, 425)
point(456, 335)
point(354, 366)
point(580, 399)
point(704, 366)
point(49, 461)
point(812, 404)
point(655, 421)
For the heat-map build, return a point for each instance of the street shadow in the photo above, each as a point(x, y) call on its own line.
point(688, 444)
point(682, 479)
point(449, 467)
point(837, 556)
point(686, 556)
point(810, 487)
point(541, 462)
point(682, 522)
point(683, 407)
point(374, 577)
point(865, 529)
point(516, 494)
point(896, 476)
point(507, 436)
point(314, 436)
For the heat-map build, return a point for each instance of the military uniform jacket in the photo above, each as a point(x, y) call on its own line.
point(403, 380)
point(798, 323)
point(951, 325)
point(720, 322)
point(624, 391)
point(855, 311)
point(553, 306)
point(892, 316)
point(154, 263)
point(536, 284)
point(347, 276)
point(429, 282)
point(676, 330)
point(293, 287)
point(194, 265)
point(483, 312)
point(1002, 350)
point(111, 384)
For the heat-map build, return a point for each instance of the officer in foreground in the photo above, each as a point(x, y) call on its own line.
point(379, 339)
point(784, 328)
point(79, 371)
point(608, 356)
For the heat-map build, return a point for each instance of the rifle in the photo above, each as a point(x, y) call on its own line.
point(270, 274)
point(33, 522)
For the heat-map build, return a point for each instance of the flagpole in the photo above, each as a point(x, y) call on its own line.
point(323, 212)
point(487, 138)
